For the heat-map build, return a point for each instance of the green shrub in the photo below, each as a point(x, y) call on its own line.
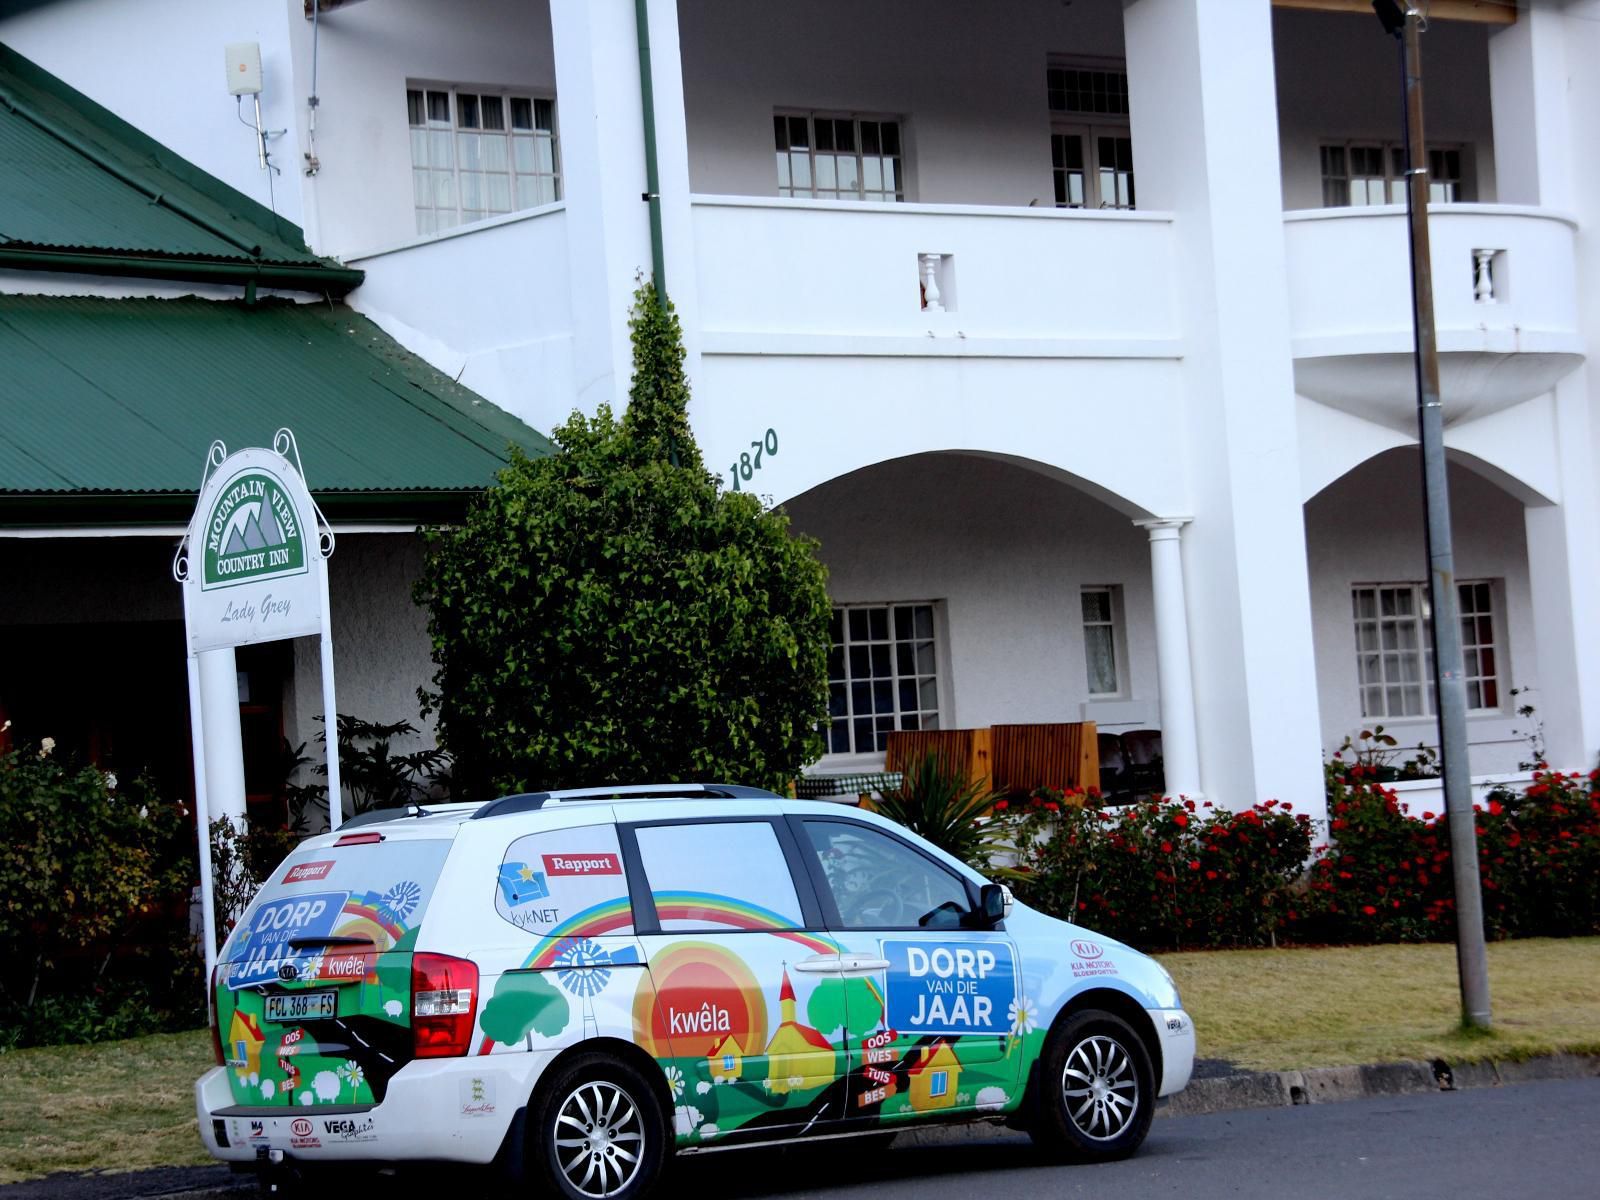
point(939, 804)
point(607, 615)
point(1164, 873)
point(94, 884)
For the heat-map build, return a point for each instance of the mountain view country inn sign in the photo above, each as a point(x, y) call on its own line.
point(253, 562)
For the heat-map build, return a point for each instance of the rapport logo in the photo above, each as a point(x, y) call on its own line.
point(253, 532)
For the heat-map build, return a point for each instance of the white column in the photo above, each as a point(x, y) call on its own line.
point(219, 699)
point(1531, 106)
point(603, 177)
point(1564, 571)
point(1203, 99)
point(1179, 745)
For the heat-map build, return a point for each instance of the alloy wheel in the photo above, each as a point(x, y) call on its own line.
point(599, 1138)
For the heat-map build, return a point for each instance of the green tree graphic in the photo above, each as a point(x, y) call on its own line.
point(524, 1004)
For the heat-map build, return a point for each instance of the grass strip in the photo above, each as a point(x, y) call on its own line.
point(1347, 1005)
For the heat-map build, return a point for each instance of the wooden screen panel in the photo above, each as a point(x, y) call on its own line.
point(1061, 756)
point(964, 750)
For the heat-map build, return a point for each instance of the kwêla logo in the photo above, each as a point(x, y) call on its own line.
point(253, 532)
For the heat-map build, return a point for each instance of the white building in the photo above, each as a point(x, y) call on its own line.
point(1078, 331)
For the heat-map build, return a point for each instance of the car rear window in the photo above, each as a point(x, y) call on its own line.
point(367, 897)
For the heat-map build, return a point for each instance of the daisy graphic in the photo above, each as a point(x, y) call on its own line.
point(675, 1082)
point(1023, 1015)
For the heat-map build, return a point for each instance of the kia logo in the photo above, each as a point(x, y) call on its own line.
point(289, 972)
point(301, 1127)
point(1087, 949)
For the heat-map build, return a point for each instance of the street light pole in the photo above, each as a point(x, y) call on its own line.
point(1449, 684)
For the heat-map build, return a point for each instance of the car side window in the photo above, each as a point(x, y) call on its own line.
point(879, 882)
point(556, 881)
point(718, 875)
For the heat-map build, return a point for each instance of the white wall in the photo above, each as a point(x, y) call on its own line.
point(158, 64)
point(380, 641)
point(1339, 78)
point(361, 198)
point(1367, 528)
point(969, 82)
point(1005, 551)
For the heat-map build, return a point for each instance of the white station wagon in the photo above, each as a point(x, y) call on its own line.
point(578, 984)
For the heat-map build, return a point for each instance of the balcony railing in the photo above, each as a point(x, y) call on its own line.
point(814, 276)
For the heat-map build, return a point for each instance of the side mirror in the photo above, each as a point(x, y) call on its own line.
point(994, 902)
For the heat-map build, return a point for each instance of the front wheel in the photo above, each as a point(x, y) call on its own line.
point(1096, 1089)
point(597, 1131)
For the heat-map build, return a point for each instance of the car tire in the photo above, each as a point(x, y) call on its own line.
point(596, 1128)
point(1096, 1090)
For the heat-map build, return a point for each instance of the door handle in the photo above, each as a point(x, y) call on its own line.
point(820, 962)
point(862, 962)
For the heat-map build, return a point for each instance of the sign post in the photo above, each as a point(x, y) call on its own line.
point(253, 565)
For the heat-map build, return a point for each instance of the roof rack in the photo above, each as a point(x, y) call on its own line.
point(377, 816)
point(532, 801)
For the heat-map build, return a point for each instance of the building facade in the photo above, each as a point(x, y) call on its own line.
point(1078, 331)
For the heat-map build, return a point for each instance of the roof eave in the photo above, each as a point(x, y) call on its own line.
point(71, 510)
point(330, 280)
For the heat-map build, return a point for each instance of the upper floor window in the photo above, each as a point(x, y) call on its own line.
point(475, 154)
point(1355, 174)
point(1091, 149)
point(833, 157)
point(882, 675)
point(1394, 648)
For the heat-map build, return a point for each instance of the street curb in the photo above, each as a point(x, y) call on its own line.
point(1315, 1085)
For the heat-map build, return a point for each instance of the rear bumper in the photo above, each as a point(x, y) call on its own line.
point(454, 1109)
point(1175, 1028)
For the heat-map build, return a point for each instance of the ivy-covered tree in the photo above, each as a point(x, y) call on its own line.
point(607, 614)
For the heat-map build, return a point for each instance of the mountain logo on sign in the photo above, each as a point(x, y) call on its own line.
point(253, 532)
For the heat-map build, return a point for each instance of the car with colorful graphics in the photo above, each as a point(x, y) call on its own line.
point(576, 985)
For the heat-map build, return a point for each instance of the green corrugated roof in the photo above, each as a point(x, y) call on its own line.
point(76, 178)
point(119, 400)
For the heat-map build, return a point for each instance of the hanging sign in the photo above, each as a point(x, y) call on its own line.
point(256, 561)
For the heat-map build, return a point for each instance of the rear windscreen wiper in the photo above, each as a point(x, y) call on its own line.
point(332, 940)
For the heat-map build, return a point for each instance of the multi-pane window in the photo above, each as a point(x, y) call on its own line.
point(1356, 174)
point(475, 154)
point(1100, 640)
point(824, 157)
point(1091, 152)
point(882, 675)
point(1394, 651)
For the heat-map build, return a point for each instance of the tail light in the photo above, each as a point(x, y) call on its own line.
point(211, 1017)
point(444, 1000)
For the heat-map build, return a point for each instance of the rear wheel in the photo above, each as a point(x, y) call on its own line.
point(1096, 1089)
point(596, 1131)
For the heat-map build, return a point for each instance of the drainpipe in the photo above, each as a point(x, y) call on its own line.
point(652, 175)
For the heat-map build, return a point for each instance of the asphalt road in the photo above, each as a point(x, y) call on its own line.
point(1530, 1140)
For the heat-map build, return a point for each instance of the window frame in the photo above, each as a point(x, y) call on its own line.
point(822, 892)
point(942, 692)
point(1091, 126)
point(647, 922)
point(1392, 154)
point(1423, 619)
point(508, 94)
point(1119, 640)
point(902, 190)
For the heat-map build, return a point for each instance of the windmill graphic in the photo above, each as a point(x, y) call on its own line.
point(583, 968)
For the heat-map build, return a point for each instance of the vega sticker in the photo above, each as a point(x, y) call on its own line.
point(950, 988)
point(266, 946)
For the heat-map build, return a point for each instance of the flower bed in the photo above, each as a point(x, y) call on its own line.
point(1167, 873)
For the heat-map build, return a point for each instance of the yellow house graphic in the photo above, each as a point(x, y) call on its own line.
point(792, 1052)
point(726, 1059)
point(244, 1043)
point(934, 1078)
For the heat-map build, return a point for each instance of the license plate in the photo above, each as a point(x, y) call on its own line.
point(302, 1006)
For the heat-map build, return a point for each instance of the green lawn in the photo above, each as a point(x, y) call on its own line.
point(114, 1106)
point(125, 1105)
point(1338, 1006)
